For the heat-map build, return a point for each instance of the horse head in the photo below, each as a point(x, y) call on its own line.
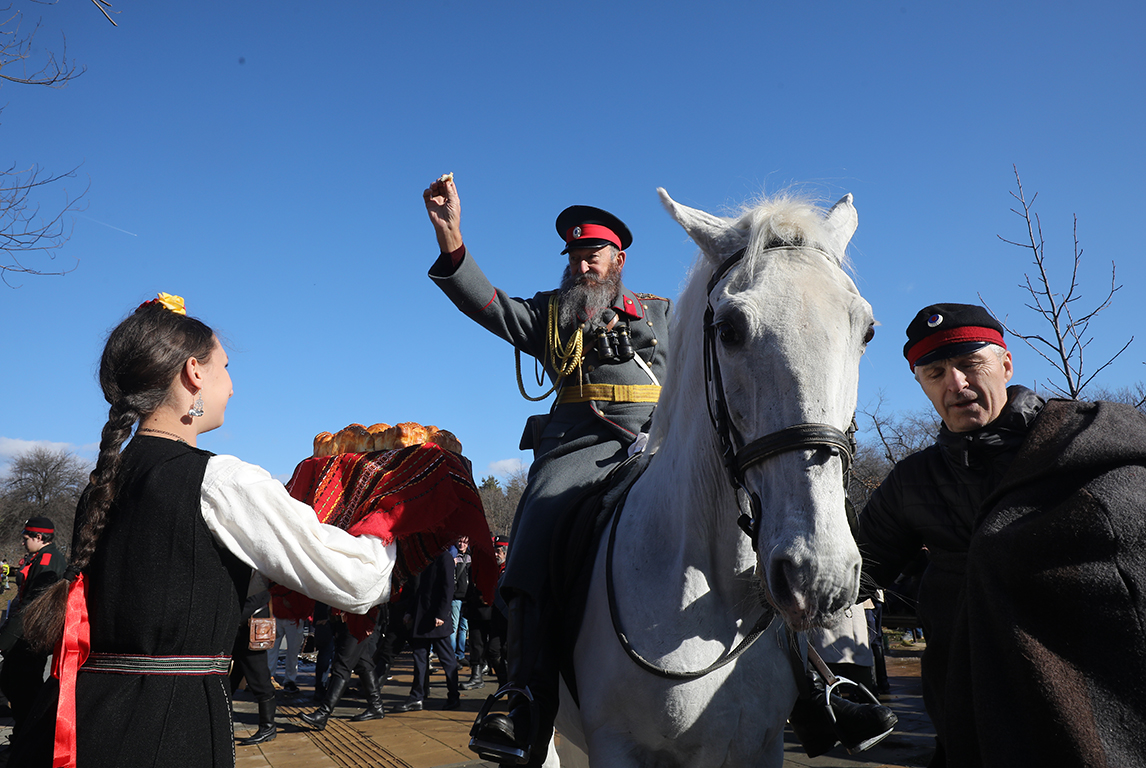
point(784, 330)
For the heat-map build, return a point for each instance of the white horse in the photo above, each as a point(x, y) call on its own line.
point(786, 331)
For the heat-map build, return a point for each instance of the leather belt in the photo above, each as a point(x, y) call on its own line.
point(609, 393)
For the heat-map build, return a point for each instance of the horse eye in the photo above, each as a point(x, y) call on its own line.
point(727, 332)
point(867, 337)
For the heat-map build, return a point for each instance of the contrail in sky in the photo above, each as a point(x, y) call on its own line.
point(109, 226)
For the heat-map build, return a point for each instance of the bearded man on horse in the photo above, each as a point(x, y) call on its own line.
point(604, 348)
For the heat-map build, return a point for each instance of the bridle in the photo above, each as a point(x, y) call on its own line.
point(794, 438)
point(736, 462)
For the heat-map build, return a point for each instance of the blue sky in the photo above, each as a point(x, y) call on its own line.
point(266, 161)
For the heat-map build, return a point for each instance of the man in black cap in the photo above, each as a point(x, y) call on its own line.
point(604, 349)
point(1031, 516)
point(23, 670)
point(931, 498)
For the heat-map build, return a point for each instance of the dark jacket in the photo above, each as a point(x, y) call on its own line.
point(41, 570)
point(1048, 662)
point(932, 499)
point(432, 597)
point(462, 564)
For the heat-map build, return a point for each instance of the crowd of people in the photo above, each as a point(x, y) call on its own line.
point(1028, 511)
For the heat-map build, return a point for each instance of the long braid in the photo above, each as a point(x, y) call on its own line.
point(91, 515)
point(43, 619)
point(142, 357)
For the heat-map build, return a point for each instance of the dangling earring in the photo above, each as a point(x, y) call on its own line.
point(197, 409)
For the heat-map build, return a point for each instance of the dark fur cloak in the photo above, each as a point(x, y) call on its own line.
point(1048, 664)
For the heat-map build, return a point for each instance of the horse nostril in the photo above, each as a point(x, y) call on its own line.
point(786, 584)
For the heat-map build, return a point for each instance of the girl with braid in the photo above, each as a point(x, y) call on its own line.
point(166, 536)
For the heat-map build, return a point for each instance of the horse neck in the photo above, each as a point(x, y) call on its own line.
point(683, 511)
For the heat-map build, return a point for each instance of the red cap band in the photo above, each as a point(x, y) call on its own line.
point(953, 336)
point(592, 230)
point(39, 530)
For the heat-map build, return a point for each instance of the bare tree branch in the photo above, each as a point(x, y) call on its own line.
point(100, 4)
point(28, 236)
point(1066, 346)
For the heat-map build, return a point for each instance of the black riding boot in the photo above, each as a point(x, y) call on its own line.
point(520, 737)
point(476, 680)
point(267, 730)
point(820, 727)
point(334, 688)
point(373, 686)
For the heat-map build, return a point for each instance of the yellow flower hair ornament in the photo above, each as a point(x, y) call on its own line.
point(167, 301)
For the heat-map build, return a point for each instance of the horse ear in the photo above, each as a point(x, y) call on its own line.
point(717, 237)
point(841, 223)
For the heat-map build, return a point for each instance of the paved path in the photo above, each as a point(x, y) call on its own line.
point(436, 739)
point(433, 738)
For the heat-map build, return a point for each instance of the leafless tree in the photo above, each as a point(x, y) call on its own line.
point(501, 503)
point(1133, 395)
point(41, 481)
point(1065, 347)
point(896, 436)
point(27, 235)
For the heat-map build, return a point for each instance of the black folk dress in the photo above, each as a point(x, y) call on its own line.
point(159, 586)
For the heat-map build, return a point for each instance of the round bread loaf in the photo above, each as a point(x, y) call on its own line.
point(356, 438)
point(376, 431)
point(444, 439)
point(403, 435)
point(324, 444)
point(353, 438)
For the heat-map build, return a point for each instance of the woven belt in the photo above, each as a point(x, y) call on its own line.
point(138, 664)
point(610, 393)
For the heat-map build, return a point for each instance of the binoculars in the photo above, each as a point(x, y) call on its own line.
point(614, 346)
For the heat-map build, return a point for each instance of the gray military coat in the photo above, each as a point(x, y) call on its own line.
point(577, 443)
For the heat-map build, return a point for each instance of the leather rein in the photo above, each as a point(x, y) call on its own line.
point(736, 462)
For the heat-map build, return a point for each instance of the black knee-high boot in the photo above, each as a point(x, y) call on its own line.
point(334, 688)
point(267, 730)
point(373, 685)
point(522, 737)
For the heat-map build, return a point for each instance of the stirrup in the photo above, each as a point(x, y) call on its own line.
point(869, 742)
point(496, 751)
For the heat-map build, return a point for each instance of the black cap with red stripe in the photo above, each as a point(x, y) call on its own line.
point(583, 226)
point(942, 331)
point(39, 524)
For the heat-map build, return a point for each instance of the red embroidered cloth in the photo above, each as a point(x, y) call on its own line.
point(423, 498)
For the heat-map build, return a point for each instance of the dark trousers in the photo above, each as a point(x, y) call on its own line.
point(393, 641)
point(487, 645)
point(444, 647)
point(21, 679)
point(352, 655)
point(251, 665)
point(324, 642)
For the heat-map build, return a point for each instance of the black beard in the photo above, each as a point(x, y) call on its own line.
point(583, 296)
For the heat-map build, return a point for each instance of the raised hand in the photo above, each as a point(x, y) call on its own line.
point(444, 208)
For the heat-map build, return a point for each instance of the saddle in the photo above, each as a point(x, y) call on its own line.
point(575, 541)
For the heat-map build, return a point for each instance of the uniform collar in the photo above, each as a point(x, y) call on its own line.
point(628, 303)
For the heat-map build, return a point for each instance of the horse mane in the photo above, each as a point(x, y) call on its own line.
point(787, 218)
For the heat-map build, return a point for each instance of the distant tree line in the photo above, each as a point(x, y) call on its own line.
point(45, 482)
point(501, 502)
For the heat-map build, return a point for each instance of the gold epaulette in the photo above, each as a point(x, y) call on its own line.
point(649, 296)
